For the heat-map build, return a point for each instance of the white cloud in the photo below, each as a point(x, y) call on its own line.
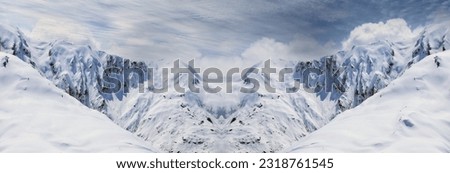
point(157, 29)
point(302, 48)
point(393, 30)
point(50, 29)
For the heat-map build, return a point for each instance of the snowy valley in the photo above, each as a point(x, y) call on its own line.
point(394, 100)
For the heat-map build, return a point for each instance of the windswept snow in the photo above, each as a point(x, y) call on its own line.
point(36, 116)
point(412, 114)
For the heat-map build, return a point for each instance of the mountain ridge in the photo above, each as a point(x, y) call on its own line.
point(253, 122)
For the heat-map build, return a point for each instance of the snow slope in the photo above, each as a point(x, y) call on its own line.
point(223, 122)
point(412, 114)
point(36, 116)
point(171, 121)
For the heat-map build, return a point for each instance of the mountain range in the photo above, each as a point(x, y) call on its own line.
point(392, 98)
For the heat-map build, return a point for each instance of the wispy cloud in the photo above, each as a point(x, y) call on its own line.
point(197, 29)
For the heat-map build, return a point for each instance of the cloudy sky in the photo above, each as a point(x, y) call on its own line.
point(224, 29)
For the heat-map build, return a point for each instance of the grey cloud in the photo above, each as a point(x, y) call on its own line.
point(175, 29)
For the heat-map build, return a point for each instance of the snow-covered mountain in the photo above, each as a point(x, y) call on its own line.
point(36, 116)
point(410, 115)
point(224, 122)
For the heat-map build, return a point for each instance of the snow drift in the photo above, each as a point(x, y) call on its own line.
point(36, 116)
